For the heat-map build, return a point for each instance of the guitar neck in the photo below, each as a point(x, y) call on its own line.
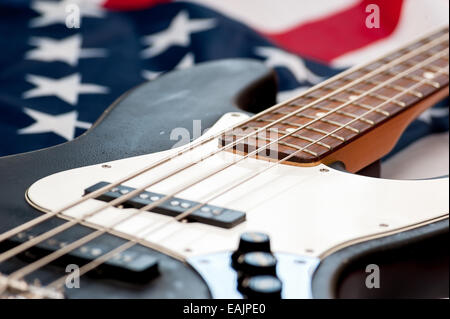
point(356, 117)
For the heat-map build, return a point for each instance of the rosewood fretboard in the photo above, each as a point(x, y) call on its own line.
point(344, 108)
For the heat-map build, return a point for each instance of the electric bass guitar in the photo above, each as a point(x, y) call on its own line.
point(259, 206)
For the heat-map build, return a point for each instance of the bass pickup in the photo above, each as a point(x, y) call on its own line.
point(206, 214)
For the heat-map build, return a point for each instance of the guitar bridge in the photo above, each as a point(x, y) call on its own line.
point(207, 214)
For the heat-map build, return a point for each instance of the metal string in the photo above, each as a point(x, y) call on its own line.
point(100, 191)
point(44, 236)
point(43, 261)
point(22, 247)
point(98, 261)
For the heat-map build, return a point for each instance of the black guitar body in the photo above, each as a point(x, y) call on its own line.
point(139, 123)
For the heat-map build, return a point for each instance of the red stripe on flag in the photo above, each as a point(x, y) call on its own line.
point(131, 4)
point(330, 37)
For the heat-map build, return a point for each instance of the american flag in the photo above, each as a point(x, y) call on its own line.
point(56, 81)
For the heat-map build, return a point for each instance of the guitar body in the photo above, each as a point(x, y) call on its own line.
point(160, 106)
point(140, 124)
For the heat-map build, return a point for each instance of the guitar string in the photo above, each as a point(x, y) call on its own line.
point(48, 234)
point(30, 243)
point(100, 260)
point(100, 191)
point(137, 191)
point(45, 260)
point(190, 147)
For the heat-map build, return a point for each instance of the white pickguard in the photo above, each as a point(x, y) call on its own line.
point(305, 210)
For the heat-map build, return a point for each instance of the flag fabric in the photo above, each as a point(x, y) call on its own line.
point(56, 81)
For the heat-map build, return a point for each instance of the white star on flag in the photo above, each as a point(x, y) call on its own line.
point(66, 50)
point(279, 58)
point(67, 88)
point(55, 12)
point(63, 125)
point(186, 62)
point(178, 33)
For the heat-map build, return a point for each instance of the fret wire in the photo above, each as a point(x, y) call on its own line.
point(282, 160)
point(436, 69)
point(411, 64)
point(340, 124)
point(419, 79)
point(325, 120)
point(436, 41)
point(378, 96)
point(408, 64)
point(301, 137)
point(395, 76)
point(393, 56)
point(374, 108)
point(329, 88)
point(313, 129)
point(415, 79)
point(430, 67)
point(55, 213)
point(386, 102)
point(334, 124)
point(348, 114)
point(311, 118)
point(427, 55)
point(318, 130)
point(33, 222)
point(397, 88)
point(361, 105)
point(310, 97)
point(420, 82)
point(259, 172)
point(349, 80)
point(399, 75)
point(97, 193)
point(281, 143)
point(307, 96)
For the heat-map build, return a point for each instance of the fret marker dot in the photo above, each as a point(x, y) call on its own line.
point(320, 114)
point(428, 75)
point(290, 130)
point(352, 97)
